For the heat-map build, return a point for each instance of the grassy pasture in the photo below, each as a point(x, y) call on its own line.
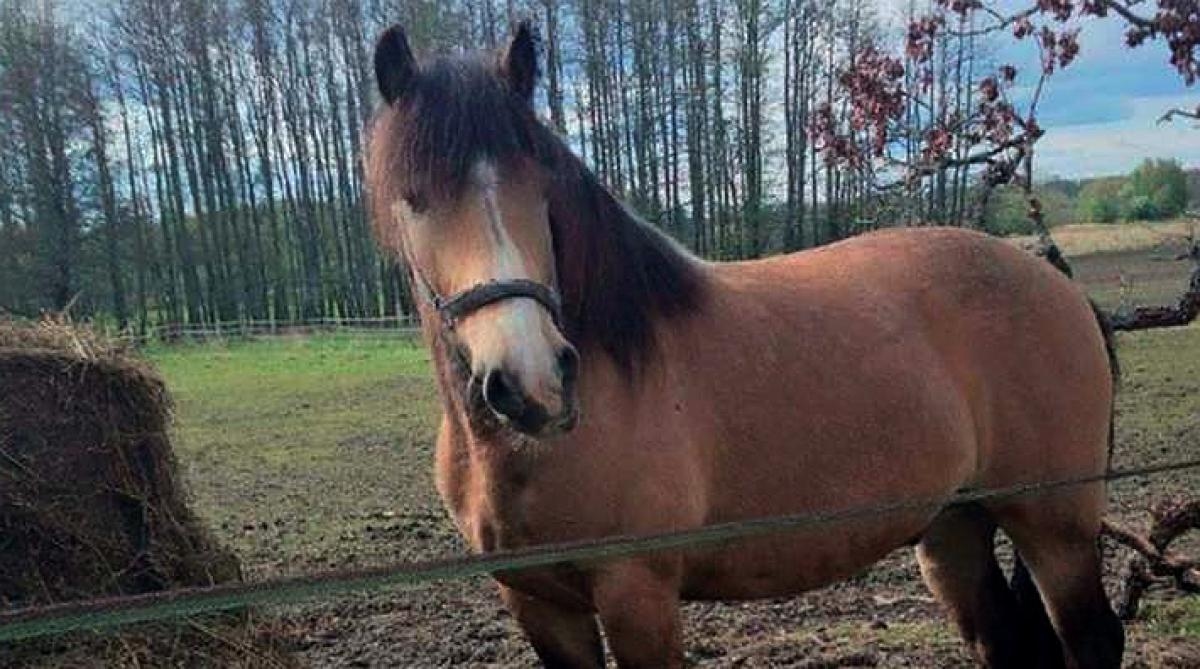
point(314, 453)
point(293, 445)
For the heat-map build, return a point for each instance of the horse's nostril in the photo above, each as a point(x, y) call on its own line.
point(502, 394)
point(568, 366)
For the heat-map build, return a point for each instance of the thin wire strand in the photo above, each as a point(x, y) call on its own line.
point(105, 613)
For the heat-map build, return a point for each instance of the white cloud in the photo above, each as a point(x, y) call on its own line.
point(1116, 147)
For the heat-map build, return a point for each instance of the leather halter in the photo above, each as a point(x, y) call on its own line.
point(463, 303)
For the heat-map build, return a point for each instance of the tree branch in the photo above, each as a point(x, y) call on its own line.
point(1002, 22)
point(1183, 312)
point(1125, 13)
point(1172, 113)
point(1170, 520)
point(979, 158)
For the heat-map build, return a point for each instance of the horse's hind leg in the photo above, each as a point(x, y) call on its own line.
point(1056, 537)
point(958, 562)
point(1039, 634)
point(562, 637)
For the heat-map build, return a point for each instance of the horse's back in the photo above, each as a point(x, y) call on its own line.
point(943, 309)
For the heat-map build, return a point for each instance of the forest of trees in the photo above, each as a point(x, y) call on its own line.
point(199, 161)
point(1157, 189)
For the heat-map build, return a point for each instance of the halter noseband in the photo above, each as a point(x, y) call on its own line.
point(454, 308)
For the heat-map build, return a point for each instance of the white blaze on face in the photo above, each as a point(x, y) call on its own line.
point(516, 335)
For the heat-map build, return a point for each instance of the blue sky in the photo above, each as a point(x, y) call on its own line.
point(1100, 114)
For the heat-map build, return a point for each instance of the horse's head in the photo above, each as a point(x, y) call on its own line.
point(460, 182)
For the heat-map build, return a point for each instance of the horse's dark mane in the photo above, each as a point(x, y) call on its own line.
point(615, 273)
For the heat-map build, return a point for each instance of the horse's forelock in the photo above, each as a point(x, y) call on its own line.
point(456, 112)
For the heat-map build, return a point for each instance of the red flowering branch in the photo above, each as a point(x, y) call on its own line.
point(880, 91)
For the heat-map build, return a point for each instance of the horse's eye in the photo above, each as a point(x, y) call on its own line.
point(416, 202)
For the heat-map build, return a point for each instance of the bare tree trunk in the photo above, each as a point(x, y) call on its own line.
point(108, 199)
point(554, 87)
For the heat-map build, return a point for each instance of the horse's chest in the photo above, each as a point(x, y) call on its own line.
point(495, 515)
point(489, 526)
point(486, 504)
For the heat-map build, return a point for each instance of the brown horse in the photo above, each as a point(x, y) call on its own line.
point(599, 380)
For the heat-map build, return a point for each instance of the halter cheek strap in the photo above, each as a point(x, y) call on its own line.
point(461, 304)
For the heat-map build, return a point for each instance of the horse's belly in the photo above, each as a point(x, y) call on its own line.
point(796, 561)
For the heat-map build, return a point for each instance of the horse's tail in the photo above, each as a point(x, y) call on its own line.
point(1114, 365)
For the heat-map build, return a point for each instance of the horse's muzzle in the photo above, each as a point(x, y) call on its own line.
point(507, 398)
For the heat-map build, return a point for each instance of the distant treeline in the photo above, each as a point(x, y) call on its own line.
point(192, 161)
point(1158, 189)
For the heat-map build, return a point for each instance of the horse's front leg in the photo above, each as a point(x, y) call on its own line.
point(638, 605)
point(561, 636)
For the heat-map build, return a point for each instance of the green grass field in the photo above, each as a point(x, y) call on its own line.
point(316, 452)
point(293, 445)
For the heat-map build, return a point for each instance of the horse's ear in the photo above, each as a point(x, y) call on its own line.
point(519, 62)
point(395, 66)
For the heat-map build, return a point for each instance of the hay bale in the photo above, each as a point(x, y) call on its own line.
point(91, 503)
point(90, 499)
